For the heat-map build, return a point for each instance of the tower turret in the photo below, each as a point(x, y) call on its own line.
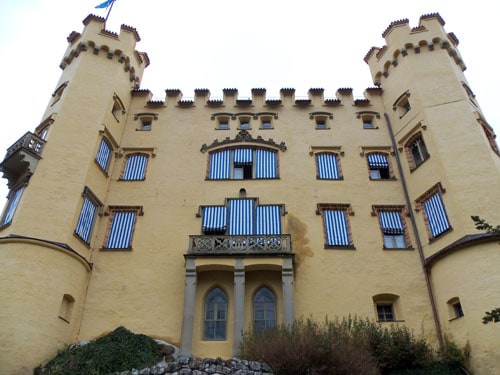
point(56, 187)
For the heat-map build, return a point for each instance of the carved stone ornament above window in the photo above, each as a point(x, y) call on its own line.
point(244, 137)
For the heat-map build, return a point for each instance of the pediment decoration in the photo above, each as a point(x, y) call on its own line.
point(243, 137)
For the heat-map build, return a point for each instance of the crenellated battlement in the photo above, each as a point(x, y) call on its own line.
point(120, 47)
point(258, 98)
point(401, 41)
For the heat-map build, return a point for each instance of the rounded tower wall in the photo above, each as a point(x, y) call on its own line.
point(43, 291)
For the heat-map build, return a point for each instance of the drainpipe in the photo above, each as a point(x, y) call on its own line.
point(417, 236)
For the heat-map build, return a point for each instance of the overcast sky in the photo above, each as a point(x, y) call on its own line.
point(233, 44)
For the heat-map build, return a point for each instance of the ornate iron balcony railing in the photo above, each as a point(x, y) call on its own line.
point(232, 245)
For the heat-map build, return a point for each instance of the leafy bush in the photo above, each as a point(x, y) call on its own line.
point(347, 346)
point(120, 350)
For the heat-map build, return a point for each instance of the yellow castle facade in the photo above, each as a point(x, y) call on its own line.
point(192, 220)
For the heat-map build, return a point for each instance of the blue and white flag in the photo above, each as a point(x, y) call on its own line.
point(106, 4)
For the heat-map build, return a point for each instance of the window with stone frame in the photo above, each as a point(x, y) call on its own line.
point(328, 166)
point(379, 166)
point(215, 315)
point(121, 226)
point(416, 151)
point(13, 200)
point(104, 154)
point(243, 163)
point(432, 206)
point(264, 309)
point(135, 167)
point(387, 307)
point(392, 226)
point(91, 206)
point(336, 225)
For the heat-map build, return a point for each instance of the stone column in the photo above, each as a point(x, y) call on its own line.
point(188, 316)
point(239, 304)
point(288, 302)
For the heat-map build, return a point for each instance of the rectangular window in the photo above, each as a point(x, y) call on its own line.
point(385, 313)
point(135, 167)
point(327, 166)
point(416, 151)
point(391, 224)
point(242, 217)
point(379, 166)
point(87, 216)
point(104, 155)
point(243, 163)
point(121, 227)
point(336, 227)
point(214, 220)
point(12, 203)
point(436, 215)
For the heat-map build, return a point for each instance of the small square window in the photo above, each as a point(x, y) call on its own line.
point(244, 125)
point(146, 125)
point(385, 313)
point(321, 123)
point(368, 123)
point(266, 124)
point(223, 124)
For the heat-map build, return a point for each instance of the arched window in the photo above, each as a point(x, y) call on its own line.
point(243, 164)
point(215, 315)
point(264, 309)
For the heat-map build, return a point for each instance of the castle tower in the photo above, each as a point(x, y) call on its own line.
point(441, 135)
point(55, 189)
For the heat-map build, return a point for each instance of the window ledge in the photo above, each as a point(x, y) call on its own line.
point(383, 179)
point(64, 319)
point(87, 244)
point(111, 249)
point(391, 321)
point(5, 226)
point(339, 247)
point(410, 248)
point(413, 169)
point(433, 239)
point(330, 179)
point(140, 179)
point(455, 318)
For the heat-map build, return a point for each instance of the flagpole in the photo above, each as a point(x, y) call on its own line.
point(109, 11)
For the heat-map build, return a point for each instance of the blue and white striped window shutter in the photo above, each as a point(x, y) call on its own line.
point(241, 217)
point(214, 219)
point(328, 168)
point(266, 165)
point(103, 155)
point(336, 228)
point(268, 219)
point(378, 161)
point(436, 215)
point(391, 222)
point(121, 231)
point(135, 167)
point(86, 220)
point(243, 156)
point(220, 165)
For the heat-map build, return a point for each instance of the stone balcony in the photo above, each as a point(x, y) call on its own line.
point(239, 245)
point(22, 157)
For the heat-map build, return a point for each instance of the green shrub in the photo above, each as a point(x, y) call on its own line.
point(120, 350)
